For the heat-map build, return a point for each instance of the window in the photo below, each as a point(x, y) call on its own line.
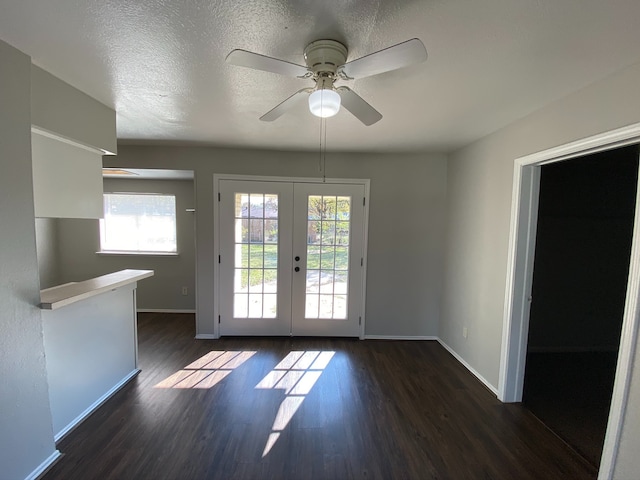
point(138, 223)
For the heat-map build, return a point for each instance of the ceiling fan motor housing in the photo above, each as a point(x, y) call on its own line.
point(325, 56)
point(325, 64)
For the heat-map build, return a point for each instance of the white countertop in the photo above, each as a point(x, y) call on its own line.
point(62, 295)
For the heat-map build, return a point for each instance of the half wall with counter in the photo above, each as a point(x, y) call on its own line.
point(90, 341)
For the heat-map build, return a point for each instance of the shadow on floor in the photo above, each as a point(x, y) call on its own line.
point(571, 394)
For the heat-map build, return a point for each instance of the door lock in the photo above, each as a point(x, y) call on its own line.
point(297, 269)
point(297, 259)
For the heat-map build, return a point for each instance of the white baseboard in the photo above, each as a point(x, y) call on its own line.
point(570, 349)
point(165, 310)
point(494, 390)
point(486, 383)
point(205, 336)
point(469, 367)
point(44, 466)
point(399, 337)
point(78, 420)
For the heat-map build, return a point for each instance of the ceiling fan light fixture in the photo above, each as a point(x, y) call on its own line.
point(326, 63)
point(324, 103)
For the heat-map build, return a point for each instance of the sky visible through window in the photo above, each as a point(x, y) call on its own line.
point(138, 223)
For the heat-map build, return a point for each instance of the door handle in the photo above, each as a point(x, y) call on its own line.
point(297, 269)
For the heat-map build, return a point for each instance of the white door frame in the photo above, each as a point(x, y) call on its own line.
point(522, 238)
point(259, 178)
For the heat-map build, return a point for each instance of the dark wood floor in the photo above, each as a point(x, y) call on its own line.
point(571, 393)
point(376, 410)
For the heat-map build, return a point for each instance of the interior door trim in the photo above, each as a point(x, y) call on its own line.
point(217, 177)
point(524, 207)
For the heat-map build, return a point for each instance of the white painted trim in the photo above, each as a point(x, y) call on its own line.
point(486, 383)
point(205, 336)
point(95, 405)
point(462, 361)
point(262, 178)
point(216, 256)
point(524, 217)
point(217, 177)
point(134, 316)
point(166, 310)
point(401, 337)
point(68, 141)
point(365, 255)
point(586, 146)
point(626, 354)
point(519, 277)
point(44, 466)
point(199, 307)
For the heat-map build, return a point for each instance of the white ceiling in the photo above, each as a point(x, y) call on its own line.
point(160, 64)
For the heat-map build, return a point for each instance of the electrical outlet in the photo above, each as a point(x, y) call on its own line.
point(464, 332)
point(185, 291)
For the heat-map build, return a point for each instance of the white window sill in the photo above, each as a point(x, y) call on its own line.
point(141, 254)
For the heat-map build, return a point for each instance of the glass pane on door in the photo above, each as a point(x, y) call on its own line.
point(256, 256)
point(327, 279)
point(291, 258)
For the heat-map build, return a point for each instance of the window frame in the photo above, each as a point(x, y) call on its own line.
point(162, 253)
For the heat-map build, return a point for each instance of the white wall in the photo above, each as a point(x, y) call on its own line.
point(79, 240)
point(59, 108)
point(90, 353)
point(47, 251)
point(479, 201)
point(26, 435)
point(407, 208)
point(67, 180)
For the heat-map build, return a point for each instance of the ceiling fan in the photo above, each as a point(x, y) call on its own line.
point(326, 64)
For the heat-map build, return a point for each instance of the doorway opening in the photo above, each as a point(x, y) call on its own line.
point(524, 213)
point(291, 256)
point(583, 246)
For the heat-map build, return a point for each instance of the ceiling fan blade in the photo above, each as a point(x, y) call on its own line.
point(244, 58)
point(289, 103)
point(391, 58)
point(358, 107)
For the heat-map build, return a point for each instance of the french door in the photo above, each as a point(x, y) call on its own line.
point(291, 258)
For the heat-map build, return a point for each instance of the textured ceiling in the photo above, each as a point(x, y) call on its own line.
point(160, 64)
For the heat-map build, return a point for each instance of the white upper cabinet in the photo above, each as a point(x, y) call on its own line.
point(70, 133)
point(67, 179)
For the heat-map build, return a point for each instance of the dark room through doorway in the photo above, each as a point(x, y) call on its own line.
point(583, 247)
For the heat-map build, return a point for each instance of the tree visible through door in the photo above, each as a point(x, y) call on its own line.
point(291, 258)
point(327, 256)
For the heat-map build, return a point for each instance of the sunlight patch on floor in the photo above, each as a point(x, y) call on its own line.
point(207, 371)
point(296, 374)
